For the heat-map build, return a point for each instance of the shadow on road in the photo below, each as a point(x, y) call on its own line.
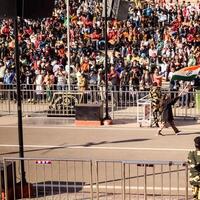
point(49, 188)
point(63, 146)
point(113, 142)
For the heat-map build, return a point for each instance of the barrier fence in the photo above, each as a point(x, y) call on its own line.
point(95, 180)
point(62, 103)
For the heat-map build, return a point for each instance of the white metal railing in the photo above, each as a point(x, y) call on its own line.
point(122, 104)
point(101, 179)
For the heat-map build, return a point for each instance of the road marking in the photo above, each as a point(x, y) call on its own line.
point(113, 127)
point(112, 187)
point(74, 146)
point(131, 148)
point(75, 127)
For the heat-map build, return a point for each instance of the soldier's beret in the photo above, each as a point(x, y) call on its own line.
point(197, 141)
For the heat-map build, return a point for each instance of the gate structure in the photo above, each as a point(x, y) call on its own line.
point(96, 180)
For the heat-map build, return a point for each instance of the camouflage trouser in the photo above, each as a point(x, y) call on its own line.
point(196, 192)
point(156, 115)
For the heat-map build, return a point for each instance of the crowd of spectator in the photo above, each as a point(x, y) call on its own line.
point(157, 39)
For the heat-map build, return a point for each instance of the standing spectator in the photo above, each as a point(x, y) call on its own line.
point(93, 84)
point(48, 82)
point(194, 166)
point(8, 81)
point(113, 77)
point(83, 86)
point(134, 83)
point(124, 84)
point(60, 75)
point(157, 78)
point(2, 74)
point(29, 83)
point(146, 80)
point(173, 84)
point(83, 83)
point(9, 77)
point(101, 84)
point(39, 85)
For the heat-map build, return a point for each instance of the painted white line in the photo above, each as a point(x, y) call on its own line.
point(73, 146)
point(30, 146)
point(75, 127)
point(113, 127)
point(130, 148)
point(112, 187)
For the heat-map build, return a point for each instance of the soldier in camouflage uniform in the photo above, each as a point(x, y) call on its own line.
point(194, 164)
point(155, 95)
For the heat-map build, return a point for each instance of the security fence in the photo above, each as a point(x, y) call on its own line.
point(122, 104)
point(95, 180)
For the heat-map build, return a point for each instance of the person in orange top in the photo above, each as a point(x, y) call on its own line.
point(61, 51)
point(157, 78)
point(85, 65)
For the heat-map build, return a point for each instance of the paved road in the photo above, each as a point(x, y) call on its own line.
point(120, 141)
point(60, 139)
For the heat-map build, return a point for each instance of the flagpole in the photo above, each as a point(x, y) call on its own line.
point(68, 43)
point(19, 104)
point(107, 117)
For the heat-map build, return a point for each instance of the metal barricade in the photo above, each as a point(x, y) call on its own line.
point(98, 180)
point(142, 180)
point(122, 104)
point(186, 107)
point(47, 178)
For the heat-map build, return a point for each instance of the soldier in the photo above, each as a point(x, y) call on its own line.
point(155, 95)
point(166, 116)
point(194, 163)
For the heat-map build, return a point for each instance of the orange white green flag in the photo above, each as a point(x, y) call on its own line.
point(186, 73)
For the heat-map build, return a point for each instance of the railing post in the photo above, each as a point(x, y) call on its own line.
point(1, 178)
point(91, 180)
point(97, 178)
point(186, 179)
point(145, 182)
point(9, 100)
point(5, 179)
point(112, 104)
point(124, 181)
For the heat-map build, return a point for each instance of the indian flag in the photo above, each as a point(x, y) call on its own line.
point(186, 73)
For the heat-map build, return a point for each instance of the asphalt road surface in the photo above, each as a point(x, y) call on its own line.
point(107, 143)
point(44, 139)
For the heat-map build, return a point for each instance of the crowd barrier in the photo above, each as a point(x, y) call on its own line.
point(99, 180)
point(122, 104)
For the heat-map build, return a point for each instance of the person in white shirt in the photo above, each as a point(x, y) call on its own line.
point(61, 78)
